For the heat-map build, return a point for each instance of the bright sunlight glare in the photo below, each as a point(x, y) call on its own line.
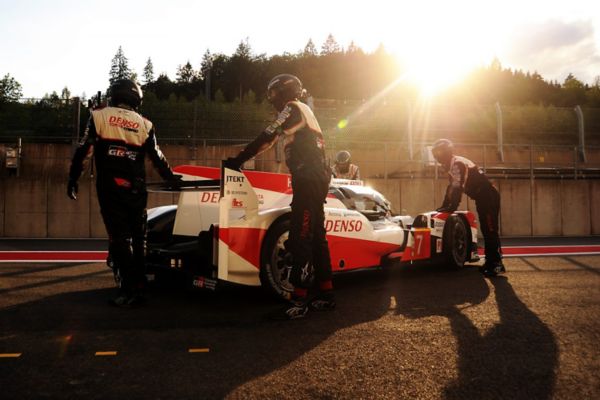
point(441, 52)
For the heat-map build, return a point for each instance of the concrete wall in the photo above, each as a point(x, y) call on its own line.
point(35, 204)
point(575, 207)
point(595, 207)
point(547, 200)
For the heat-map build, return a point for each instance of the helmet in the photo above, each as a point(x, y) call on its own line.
point(342, 161)
point(125, 91)
point(284, 88)
point(342, 157)
point(442, 149)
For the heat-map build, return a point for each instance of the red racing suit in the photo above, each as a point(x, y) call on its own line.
point(465, 176)
point(121, 139)
point(305, 158)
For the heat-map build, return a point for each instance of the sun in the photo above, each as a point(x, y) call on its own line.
point(437, 54)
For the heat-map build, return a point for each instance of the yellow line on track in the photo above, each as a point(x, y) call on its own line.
point(106, 353)
point(203, 350)
point(10, 355)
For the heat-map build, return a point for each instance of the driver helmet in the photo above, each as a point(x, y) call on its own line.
point(442, 149)
point(127, 92)
point(342, 161)
point(284, 88)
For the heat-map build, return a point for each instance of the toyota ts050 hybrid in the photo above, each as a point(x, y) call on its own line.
point(231, 226)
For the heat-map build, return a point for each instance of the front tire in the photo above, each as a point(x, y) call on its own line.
point(276, 261)
point(456, 242)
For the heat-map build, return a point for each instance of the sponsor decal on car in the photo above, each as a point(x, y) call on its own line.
point(235, 203)
point(209, 197)
point(343, 226)
point(234, 179)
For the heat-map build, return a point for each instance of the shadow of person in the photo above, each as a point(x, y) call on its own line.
point(152, 342)
point(515, 359)
point(361, 350)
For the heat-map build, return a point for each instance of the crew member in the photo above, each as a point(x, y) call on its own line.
point(466, 177)
point(343, 167)
point(121, 139)
point(305, 159)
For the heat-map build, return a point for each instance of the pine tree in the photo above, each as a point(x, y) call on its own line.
point(185, 73)
point(148, 72)
point(65, 94)
point(310, 49)
point(206, 64)
point(353, 48)
point(119, 68)
point(330, 46)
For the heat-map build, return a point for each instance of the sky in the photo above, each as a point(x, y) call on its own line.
point(47, 45)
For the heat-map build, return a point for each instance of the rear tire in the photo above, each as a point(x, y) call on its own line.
point(456, 242)
point(276, 261)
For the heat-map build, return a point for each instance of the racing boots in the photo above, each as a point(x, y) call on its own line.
point(298, 308)
point(324, 301)
point(128, 298)
point(493, 268)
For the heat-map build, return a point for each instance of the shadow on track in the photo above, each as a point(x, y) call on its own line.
point(516, 359)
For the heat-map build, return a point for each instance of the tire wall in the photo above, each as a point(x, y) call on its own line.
point(34, 204)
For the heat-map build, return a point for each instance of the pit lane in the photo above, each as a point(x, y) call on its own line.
point(410, 332)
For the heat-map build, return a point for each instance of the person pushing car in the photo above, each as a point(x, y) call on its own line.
point(465, 176)
point(306, 161)
point(122, 138)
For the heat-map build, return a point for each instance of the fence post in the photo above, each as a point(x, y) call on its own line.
point(409, 130)
point(499, 132)
point(531, 188)
point(76, 121)
point(581, 131)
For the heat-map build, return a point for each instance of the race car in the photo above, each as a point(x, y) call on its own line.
point(231, 226)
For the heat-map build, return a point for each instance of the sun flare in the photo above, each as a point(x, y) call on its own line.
point(440, 53)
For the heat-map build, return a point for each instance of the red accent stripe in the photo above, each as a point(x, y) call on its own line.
point(52, 256)
point(546, 250)
point(245, 242)
point(259, 180)
point(356, 253)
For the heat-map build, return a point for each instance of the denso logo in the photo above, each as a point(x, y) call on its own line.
point(209, 197)
point(123, 123)
point(236, 179)
point(343, 226)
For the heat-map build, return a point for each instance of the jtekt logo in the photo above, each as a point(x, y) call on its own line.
point(235, 179)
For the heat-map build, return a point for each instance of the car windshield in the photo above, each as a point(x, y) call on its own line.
point(363, 199)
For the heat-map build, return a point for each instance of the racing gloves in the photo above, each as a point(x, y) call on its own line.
point(72, 189)
point(233, 163)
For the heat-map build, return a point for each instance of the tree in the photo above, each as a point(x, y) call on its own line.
point(330, 46)
point(10, 89)
point(310, 49)
point(119, 68)
point(353, 48)
point(206, 64)
point(185, 73)
point(148, 74)
point(65, 94)
point(574, 91)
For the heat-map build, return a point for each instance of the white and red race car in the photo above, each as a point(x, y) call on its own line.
point(231, 226)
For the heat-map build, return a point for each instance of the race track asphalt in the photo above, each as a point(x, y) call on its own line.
point(413, 332)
